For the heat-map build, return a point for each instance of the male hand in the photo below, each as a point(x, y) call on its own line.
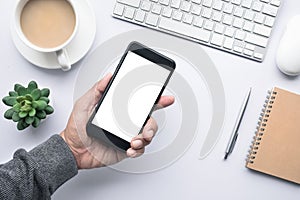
point(90, 152)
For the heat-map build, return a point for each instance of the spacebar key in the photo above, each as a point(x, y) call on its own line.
point(184, 29)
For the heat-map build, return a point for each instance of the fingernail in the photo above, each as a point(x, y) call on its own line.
point(137, 144)
point(149, 134)
point(131, 153)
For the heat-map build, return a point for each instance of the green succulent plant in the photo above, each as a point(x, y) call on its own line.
point(28, 105)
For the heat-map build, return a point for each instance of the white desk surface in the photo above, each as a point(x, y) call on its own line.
point(188, 178)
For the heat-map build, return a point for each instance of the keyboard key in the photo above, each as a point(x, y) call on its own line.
point(240, 35)
point(249, 15)
point(238, 12)
point(177, 15)
point(208, 25)
point(257, 6)
point(218, 5)
point(270, 10)
point(217, 16)
point(156, 9)
point(247, 3)
point(259, 18)
point(238, 49)
point(207, 3)
point(262, 30)
point(236, 2)
point(198, 21)
point(269, 21)
point(196, 1)
point(196, 9)
point(206, 13)
point(256, 39)
point(217, 39)
point(164, 2)
point(275, 3)
point(187, 18)
point(258, 56)
point(238, 22)
point(228, 43)
point(228, 8)
point(119, 9)
point(184, 29)
point(219, 28)
point(175, 3)
point(152, 19)
point(167, 12)
point(146, 5)
point(248, 26)
point(227, 19)
point(186, 6)
point(140, 16)
point(229, 31)
point(250, 47)
point(248, 52)
point(133, 3)
point(129, 12)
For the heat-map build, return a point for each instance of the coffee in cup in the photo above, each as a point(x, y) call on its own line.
point(47, 26)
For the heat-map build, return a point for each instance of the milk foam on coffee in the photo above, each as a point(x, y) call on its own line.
point(48, 23)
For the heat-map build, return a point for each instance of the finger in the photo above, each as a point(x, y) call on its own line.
point(164, 102)
point(137, 143)
point(100, 87)
point(102, 84)
point(135, 153)
point(143, 139)
point(149, 130)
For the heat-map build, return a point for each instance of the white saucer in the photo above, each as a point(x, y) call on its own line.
point(80, 45)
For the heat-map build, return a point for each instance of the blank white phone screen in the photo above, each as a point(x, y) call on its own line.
point(138, 100)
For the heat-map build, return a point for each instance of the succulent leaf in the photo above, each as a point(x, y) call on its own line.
point(34, 104)
point(23, 114)
point(17, 107)
point(22, 91)
point(45, 92)
point(9, 113)
point(29, 120)
point(15, 117)
point(46, 99)
point(41, 114)
point(36, 122)
point(9, 101)
point(36, 94)
point(28, 97)
point(49, 110)
point(31, 86)
point(32, 112)
point(19, 99)
point(22, 125)
point(13, 94)
point(17, 86)
point(41, 105)
point(26, 108)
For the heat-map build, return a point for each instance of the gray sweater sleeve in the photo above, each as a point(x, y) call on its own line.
point(38, 173)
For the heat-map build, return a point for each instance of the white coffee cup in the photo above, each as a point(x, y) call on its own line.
point(59, 49)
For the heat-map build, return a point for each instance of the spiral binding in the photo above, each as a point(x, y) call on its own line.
point(261, 126)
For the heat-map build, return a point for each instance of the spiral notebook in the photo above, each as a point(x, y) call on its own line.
point(275, 149)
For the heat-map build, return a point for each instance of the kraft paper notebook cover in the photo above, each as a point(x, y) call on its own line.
point(275, 149)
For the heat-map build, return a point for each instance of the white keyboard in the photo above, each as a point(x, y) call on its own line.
point(241, 27)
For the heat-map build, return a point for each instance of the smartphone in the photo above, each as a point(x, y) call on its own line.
point(130, 97)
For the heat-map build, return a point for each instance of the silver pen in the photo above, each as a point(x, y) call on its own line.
point(235, 132)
